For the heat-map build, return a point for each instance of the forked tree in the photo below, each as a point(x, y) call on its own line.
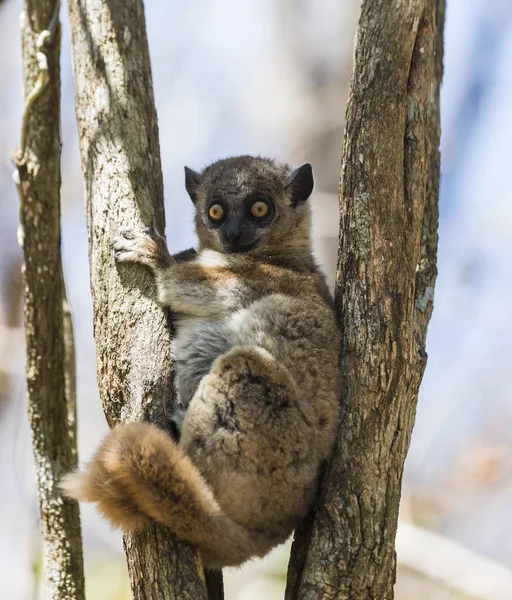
point(384, 287)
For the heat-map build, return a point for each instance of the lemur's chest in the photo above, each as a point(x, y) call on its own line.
point(197, 344)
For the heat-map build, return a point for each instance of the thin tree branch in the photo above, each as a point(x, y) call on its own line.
point(37, 177)
point(70, 374)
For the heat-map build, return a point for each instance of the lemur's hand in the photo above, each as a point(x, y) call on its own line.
point(147, 248)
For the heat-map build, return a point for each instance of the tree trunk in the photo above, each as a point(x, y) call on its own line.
point(123, 187)
point(50, 407)
point(384, 292)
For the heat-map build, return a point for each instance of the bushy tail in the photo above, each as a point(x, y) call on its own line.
point(139, 473)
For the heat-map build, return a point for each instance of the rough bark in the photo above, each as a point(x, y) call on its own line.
point(384, 292)
point(38, 179)
point(123, 187)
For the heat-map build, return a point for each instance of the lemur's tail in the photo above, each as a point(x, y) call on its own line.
point(139, 473)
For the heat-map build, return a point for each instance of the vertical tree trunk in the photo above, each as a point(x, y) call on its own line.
point(385, 281)
point(38, 179)
point(123, 186)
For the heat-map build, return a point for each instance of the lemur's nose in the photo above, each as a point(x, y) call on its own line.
point(234, 230)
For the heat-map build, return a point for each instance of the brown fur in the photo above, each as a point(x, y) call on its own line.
point(262, 417)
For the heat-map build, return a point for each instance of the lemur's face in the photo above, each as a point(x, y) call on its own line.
point(244, 203)
point(239, 223)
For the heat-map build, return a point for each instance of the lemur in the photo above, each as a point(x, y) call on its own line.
point(257, 370)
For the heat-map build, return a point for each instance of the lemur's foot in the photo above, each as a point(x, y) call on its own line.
point(147, 248)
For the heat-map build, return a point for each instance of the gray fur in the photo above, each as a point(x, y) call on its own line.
point(258, 378)
point(197, 345)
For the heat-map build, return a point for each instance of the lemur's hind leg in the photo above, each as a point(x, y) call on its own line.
point(240, 482)
point(253, 440)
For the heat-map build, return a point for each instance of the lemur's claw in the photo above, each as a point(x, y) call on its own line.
point(128, 234)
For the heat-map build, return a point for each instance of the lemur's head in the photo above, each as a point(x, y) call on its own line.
point(246, 203)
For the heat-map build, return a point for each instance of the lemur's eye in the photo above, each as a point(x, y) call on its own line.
point(216, 212)
point(259, 209)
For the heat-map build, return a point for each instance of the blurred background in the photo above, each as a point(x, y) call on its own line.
point(271, 77)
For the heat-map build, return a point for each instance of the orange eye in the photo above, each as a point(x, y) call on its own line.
point(259, 209)
point(216, 212)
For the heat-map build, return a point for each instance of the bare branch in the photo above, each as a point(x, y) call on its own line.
point(70, 374)
point(38, 180)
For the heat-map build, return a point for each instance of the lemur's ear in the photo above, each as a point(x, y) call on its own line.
point(192, 180)
point(300, 184)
